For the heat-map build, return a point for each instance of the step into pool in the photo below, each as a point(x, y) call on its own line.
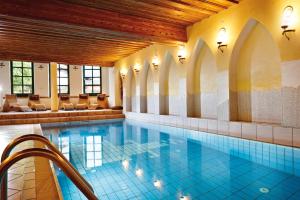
point(125, 159)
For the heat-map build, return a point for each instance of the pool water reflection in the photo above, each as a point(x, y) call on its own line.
point(130, 160)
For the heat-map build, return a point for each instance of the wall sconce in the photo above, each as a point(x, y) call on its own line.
point(123, 73)
point(75, 67)
point(2, 65)
point(40, 67)
point(137, 68)
point(287, 21)
point(222, 39)
point(181, 54)
point(155, 62)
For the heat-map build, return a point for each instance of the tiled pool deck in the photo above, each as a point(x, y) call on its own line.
point(36, 117)
point(26, 176)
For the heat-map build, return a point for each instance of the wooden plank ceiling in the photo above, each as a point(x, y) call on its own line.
point(95, 31)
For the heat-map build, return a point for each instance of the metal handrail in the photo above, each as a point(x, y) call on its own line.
point(41, 139)
point(54, 157)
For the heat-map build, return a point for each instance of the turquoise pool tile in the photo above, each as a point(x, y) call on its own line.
point(196, 164)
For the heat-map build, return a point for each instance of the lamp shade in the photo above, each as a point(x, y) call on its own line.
point(155, 61)
point(123, 73)
point(222, 36)
point(182, 52)
point(287, 17)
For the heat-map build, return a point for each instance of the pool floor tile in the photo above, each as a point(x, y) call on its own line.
point(193, 164)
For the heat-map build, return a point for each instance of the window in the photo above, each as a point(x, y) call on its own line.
point(92, 80)
point(22, 78)
point(63, 79)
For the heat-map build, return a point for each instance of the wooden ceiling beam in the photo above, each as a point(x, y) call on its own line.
point(68, 33)
point(173, 5)
point(52, 39)
point(46, 59)
point(142, 9)
point(62, 12)
point(226, 3)
point(97, 32)
point(200, 4)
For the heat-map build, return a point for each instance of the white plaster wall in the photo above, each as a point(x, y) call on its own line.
point(111, 84)
point(208, 84)
point(156, 98)
point(223, 95)
point(105, 80)
point(257, 76)
point(174, 94)
point(133, 94)
point(150, 93)
point(4, 81)
point(76, 80)
point(127, 91)
point(138, 98)
point(5, 78)
point(41, 79)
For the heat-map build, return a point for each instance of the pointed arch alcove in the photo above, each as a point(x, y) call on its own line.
point(164, 84)
point(127, 104)
point(151, 93)
point(255, 76)
point(172, 85)
point(143, 101)
point(133, 90)
point(202, 83)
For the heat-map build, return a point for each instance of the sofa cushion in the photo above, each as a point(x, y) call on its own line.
point(40, 107)
point(34, 97)
point(101, 97)
point(68, 106)
point(64, 97)
point(83, 96)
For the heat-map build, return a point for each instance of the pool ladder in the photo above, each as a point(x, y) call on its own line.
point(52, 153)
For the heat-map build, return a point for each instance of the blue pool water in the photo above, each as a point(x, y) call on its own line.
point(133, 160)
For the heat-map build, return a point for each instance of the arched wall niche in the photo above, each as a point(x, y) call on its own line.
point(202, 82)
point(151, 94)
point(115, 87)
point(164, 84)
point(173, 89)
point(127, 91)
point(143, 87)
point(255, 76)
point(176, 78)
point(134, 93)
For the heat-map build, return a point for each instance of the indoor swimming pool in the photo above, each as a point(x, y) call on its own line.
point(134, 160)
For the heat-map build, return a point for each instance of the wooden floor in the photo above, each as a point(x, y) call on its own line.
point(13, 118)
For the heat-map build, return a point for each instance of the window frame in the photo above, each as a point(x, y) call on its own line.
point(92, 85)
point(58, 77)
point(22, 85)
